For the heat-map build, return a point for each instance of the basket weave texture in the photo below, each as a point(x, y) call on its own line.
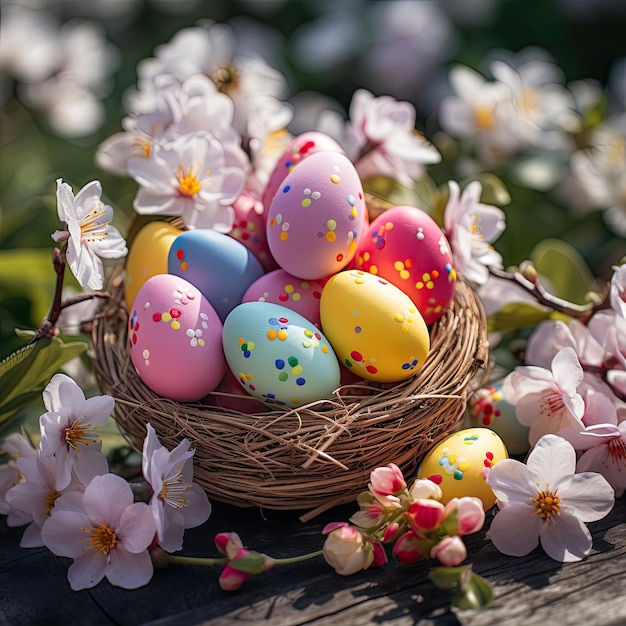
point(313, 457)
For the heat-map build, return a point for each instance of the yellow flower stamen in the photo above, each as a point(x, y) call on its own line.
point(50, 500)
point(78, 434)
point(188, 183)
point(173, 490)
point(547, 504)
point(103, 539)
point(484, 116)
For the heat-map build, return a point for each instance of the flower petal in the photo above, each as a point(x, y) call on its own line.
point(129, 571)
point(136, 527)
point(105, 498)
point(63, 535)
point(512, 482)
point(86, 571)
point(552, 460)
point(566, 540)
point(588, 496)
point(97, 409)
point(515, 530)
point(63, 395)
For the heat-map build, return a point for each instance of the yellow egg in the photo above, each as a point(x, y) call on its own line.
point(147, 256)
point(461, 462)
point(374, 328)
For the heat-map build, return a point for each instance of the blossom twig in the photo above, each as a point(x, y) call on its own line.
point(531, 285)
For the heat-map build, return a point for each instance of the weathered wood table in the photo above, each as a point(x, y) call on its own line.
point(531, 590)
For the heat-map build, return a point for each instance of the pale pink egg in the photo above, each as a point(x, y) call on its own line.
point(280, 287)
point(405, 246)
point(175, 339)
point(300, 148)
point(249, 229)
point(317, 217)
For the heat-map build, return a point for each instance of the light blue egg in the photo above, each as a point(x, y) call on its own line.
point(278, 355)
point(220, 267)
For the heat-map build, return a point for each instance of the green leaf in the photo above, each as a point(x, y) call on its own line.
point(252, 563)
point(446, 577)
point(474, 593)
point(28, 273)
point(25, 373)
point(516, 315)
point(567, 272)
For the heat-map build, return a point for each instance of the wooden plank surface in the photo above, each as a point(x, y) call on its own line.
point(531, 591)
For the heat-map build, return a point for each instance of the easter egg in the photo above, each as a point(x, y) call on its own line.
point(278, 355)
point(487, 408)
point(374, 328)
point(317, 217)
point(249, 229)
point(279, 287)
point(461, 462)
point(147, 256)
point(231, 396)
point(300, 148)
point(218, 265)
point(405, 246)
point(175, 339)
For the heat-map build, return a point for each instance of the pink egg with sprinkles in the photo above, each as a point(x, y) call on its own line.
point(279, 287)
point(175, 339)
point(405, 246)
point(317, 217)
point(300, 148)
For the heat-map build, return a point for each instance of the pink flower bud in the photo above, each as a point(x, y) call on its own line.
point(409, 548)
point(229, 544)
point(425, 515)
point(470, 514)
point(450, 551)
point(347, 551)
point(230, 578)
point(391, 532)
point(387, 480)
point(380, 556)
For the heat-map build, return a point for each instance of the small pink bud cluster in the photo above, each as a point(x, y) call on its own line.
point(415, 519)
point(242, 563)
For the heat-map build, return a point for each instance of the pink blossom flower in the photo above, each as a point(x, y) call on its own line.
point(347, 550)
point(69, 430)
point(387, 480)
point(618, 290)
point(547, 400)
point(450, 551)
point(382, 140)
point(602, 442)
point(471, 227)
point(545, 501)
point(177, 502)
point(107, 537)
point(36, 496)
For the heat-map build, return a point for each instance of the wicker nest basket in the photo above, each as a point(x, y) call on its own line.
point(313, 457)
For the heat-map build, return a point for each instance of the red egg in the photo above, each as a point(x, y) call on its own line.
point(405, 246)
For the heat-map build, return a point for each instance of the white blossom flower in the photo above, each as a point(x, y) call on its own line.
point(547, 400)
point(89, 233)
point(381, 139)
point(69, 430)
point(470, 228)
point(545, 501)
point(16, 446)
point(177, 502)
point(108, 536)
point(195, 177)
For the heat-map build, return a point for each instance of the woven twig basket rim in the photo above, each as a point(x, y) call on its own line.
point(313, 457)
